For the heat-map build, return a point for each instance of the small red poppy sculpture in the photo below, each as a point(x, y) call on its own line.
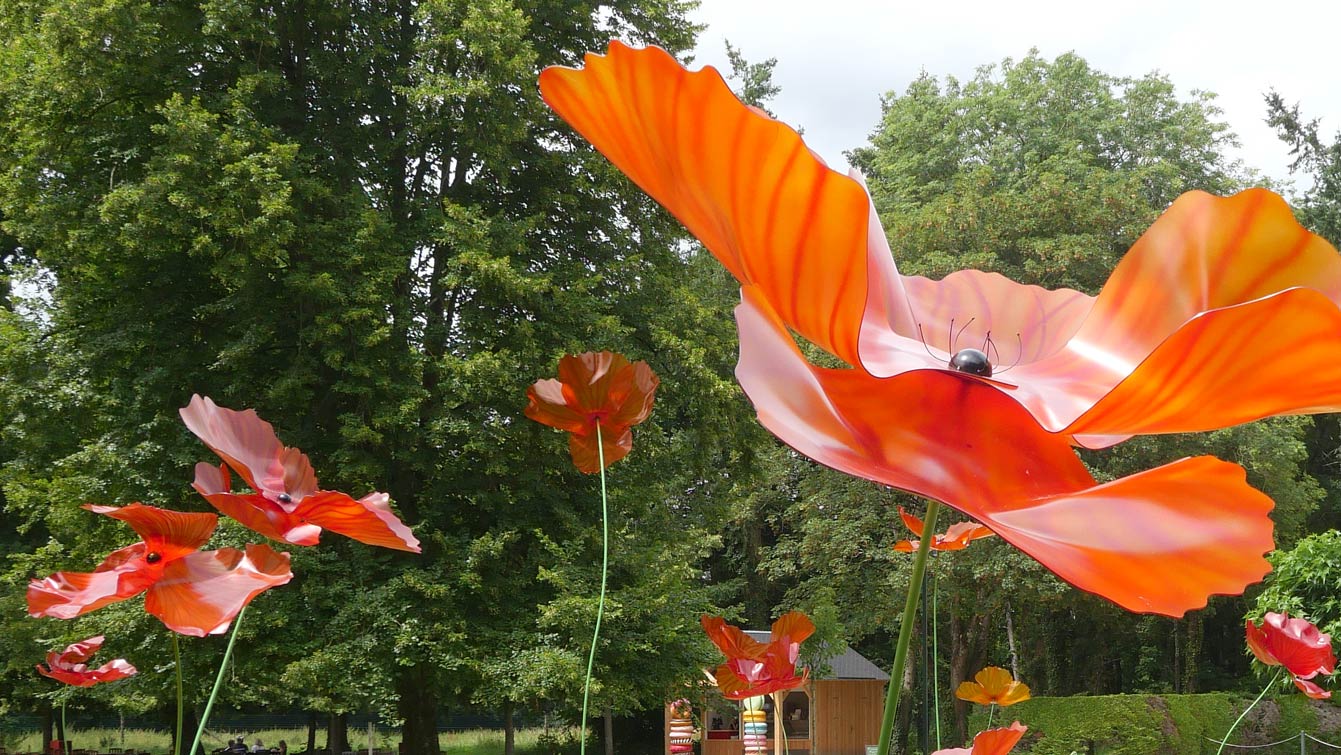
point(754, 668)
point(1225, 311)
point(192, 592)
point(990, 742)
point(1297, 646)
point(956, 538)
point(287, 505)
point(594, 388)
point(993, 686)
point(71, 665)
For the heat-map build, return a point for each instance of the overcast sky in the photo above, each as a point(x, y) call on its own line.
point(837, 57)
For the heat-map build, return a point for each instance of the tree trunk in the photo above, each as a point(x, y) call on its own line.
point(311, 731)
point(1010, 643)
point(337, 734)
point(419, 710)
point(48, 726)
point(509, 732)
point(904, 714)
point(1192, 652)
point(609, 732)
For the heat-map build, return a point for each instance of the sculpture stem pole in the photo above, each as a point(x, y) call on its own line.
point(218, 683)
point(605, 568)
point(177, 666)
point(906, 627)
point(1244, 714)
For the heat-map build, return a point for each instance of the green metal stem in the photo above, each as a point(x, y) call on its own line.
point(177, 666)
point(935, 653)
point(605, 568)
point(906, 627)
point(1244, 714)
point(991, 711)
point(218, 683)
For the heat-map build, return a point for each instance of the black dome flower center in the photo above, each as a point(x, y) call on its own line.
point(972, 361)
point(284, 498)
point(154, 558)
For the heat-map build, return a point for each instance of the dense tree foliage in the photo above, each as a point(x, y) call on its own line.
point(359, 219)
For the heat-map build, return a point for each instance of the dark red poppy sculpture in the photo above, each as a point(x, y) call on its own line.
point(192, 592)
point(595, 387)
point(71, 665)
point(1225, 311)
point(1297, 646)
point(286, 504)
point(756, 668)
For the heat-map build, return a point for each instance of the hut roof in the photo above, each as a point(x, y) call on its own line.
point(848, 664)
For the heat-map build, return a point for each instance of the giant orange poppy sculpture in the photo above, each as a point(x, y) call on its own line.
point(287, 505)
point(756, 668)
point(71, 665)
point(193, 592)
point(1225, 311)
point(956, 538)
point(597, 398)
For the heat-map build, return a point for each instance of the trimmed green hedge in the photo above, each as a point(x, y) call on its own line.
point(1156, 724)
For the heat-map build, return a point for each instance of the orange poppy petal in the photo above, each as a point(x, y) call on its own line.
point(635, 404)
point(1273, 356)
point(907, 546)
point(913, 523)
point(792, 628)
point(1311, 689)
point(1016, 692)
point(995, 681)
point(958, 536)
point(249, 445)
point(1161, 541)
point(548, 405)
point(730, 640)
point(743, 183)
point(616, 443)
point(65, 595)
point(973, 692)
point(201, 593)
point(170, 533)
point(255, 512)
point(368, 520)
point(998, 741)
point(1259, 645)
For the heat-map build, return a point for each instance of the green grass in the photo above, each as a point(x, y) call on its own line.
point(474, 742)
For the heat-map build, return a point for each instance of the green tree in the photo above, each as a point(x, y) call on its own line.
point(360, 220)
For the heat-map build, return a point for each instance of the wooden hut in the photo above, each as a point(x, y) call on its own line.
point(836, 714)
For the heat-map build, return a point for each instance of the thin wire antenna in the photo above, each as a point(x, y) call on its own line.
point(1018, 355)
point(989, 346)
point(923, 339)
point(955, 342)
point(949, 337)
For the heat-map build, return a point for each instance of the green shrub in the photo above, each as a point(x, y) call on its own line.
point(1153, 724)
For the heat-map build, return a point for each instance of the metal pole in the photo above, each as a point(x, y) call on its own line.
point(926, 672)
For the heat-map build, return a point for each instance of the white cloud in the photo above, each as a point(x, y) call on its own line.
point(837, 57)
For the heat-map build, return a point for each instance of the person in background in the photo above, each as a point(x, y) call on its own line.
point(237, 745)
point(258, 747)
point(283, 747)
